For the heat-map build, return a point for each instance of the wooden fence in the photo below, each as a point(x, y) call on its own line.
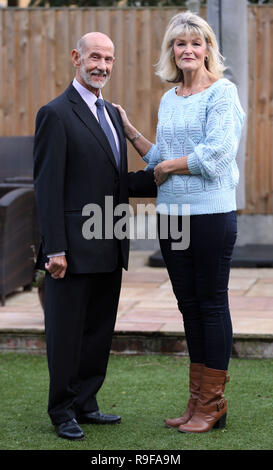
point(35, 67)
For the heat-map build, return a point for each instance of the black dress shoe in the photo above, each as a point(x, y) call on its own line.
point(69, 430)
point(96, 417)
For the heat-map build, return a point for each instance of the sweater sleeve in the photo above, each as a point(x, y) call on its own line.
point(225, 119)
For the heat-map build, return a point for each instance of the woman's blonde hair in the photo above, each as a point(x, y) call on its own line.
point(187, 23)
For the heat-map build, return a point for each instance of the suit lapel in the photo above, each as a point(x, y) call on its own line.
point(87, 117)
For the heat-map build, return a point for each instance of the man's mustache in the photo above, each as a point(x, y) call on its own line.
point(99, 72)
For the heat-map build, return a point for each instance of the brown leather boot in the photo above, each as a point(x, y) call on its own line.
point(211, 407)
point(195, 375)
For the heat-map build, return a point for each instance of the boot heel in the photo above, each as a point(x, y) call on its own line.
point(221, 423)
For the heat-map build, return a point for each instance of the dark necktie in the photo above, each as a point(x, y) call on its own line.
point(107, 129)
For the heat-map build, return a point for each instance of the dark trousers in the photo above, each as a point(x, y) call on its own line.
point(80, 314)
point(199, 277)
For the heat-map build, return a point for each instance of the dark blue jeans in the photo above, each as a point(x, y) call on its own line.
point(199, 277)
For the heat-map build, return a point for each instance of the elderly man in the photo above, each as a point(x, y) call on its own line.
point(80, 159)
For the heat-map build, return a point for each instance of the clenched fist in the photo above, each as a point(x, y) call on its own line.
point(57, 266)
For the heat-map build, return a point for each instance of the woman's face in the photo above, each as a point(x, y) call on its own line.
point(190, 52)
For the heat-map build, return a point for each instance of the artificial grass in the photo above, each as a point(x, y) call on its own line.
point(143, 390)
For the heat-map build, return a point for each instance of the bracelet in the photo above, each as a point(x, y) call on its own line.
point(135, 137)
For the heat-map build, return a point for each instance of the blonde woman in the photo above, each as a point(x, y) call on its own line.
point(194, 159)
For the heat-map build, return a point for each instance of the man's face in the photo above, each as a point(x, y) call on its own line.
point(95, 63)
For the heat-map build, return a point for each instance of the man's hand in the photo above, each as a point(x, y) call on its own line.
point(57, 266)
point(175, 166)
point(161, 172)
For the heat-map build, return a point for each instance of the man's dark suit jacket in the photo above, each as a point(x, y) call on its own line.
point(74, 166)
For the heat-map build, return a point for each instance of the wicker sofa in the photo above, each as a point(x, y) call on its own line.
point(17, 238)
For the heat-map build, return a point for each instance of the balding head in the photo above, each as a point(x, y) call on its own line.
point(93, 60)
point(93, 39)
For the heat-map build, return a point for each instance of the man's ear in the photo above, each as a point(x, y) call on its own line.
point(76, 58)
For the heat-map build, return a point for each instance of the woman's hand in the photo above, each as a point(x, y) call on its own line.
point(141, 144)
point(126, 123)
point(161, 172)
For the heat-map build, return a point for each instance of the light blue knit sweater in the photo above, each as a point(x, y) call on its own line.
point(207, 127)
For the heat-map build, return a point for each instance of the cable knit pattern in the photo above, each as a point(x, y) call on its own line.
point(207, 127)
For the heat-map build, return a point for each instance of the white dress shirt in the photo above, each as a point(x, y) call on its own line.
point(90, 99)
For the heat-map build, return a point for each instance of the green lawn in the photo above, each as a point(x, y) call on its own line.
point(144, 390)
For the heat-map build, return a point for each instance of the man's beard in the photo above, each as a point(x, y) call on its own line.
point(87, 77)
